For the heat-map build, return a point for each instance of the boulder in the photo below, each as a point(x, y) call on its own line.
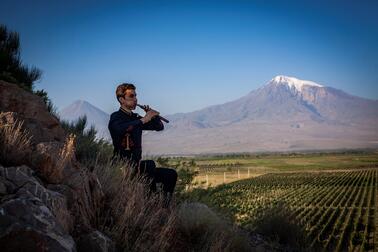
point(37, 120)
point(26, 224)
point(21, 182)
point(96, 242)
point(45, 194)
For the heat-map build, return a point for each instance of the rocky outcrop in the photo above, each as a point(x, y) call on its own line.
point(40, 123)
point(48, 200)
point(32, 214)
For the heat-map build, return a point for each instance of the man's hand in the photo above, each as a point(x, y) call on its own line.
point(149, 115)
point(147, 108)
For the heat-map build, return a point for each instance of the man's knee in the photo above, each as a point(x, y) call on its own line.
point(172, 179)
point(174, 175)
point(171, 174)
point(147, 167)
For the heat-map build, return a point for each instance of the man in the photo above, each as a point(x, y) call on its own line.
point(126, 131)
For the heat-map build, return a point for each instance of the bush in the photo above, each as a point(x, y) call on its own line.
point(87, 146)
point(200, 229)
point(185, 177)
point(277, 224)
point(49, 104)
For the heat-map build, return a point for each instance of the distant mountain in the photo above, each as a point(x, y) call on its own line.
point(285, 114)
point(95, 116)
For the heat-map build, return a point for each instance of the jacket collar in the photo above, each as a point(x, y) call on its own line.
point(126, 111)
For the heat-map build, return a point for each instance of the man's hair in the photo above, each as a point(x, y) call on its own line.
point(121, 89)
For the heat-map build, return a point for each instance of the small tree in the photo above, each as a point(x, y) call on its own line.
point(185, 180)
point(162, 161)
point(13, 70)
point(11, 67)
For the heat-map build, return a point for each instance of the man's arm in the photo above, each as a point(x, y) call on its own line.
point(154, 124)
point(120, 126)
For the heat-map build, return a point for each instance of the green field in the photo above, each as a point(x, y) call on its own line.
point(216, 170)
point(291, 162)
point(333, 196)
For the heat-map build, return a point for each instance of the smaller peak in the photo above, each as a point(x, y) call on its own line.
point(81, 103)
point(78, 102)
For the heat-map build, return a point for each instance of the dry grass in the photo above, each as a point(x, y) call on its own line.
point(135, 218)
point(65, 156)
point(141, 221)
point(15, 144)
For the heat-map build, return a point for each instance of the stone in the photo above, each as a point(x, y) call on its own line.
point(96, 242)
point(26, 224)
point(29, 107)
point(24, 183)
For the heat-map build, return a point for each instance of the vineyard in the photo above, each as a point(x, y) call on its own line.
point(337, 209)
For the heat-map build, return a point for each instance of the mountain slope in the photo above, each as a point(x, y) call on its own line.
point(285, 114)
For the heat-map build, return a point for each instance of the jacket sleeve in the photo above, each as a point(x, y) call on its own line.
point(120, 126)
point(154, 124)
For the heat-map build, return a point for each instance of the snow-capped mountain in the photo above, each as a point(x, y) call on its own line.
point(284, 114)
point(95, 116)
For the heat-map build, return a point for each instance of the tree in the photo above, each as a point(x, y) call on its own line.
point(11, 67)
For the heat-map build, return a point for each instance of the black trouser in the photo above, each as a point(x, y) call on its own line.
point(166, 176)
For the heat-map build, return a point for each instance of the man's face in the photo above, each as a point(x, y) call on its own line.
point(129, 100)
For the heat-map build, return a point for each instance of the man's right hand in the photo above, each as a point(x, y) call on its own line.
point(149, 115)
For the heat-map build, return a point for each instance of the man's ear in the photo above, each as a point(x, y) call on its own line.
point(120, 99)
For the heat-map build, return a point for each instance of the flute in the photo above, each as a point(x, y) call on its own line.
point(160, 117)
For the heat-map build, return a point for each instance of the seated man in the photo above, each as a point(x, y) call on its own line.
point(126, 131)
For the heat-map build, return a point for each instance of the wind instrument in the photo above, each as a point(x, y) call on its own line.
point(144, 107)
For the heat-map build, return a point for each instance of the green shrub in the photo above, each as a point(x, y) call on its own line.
point(185, 177)
point(49, 104)
point(87, 147)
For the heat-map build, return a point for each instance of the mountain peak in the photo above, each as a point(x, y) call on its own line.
point(81, 103)
point(95, 116)
point(292, 82)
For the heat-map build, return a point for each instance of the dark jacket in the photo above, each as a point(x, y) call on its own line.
point(126, 132)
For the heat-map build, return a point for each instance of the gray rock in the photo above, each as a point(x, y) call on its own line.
point(26, 224)
point(96, 242)
point(32, 110)
point(6, 186)
point(24, 183)
point(19, 176)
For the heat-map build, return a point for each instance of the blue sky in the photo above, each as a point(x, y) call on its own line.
point(186, 55)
